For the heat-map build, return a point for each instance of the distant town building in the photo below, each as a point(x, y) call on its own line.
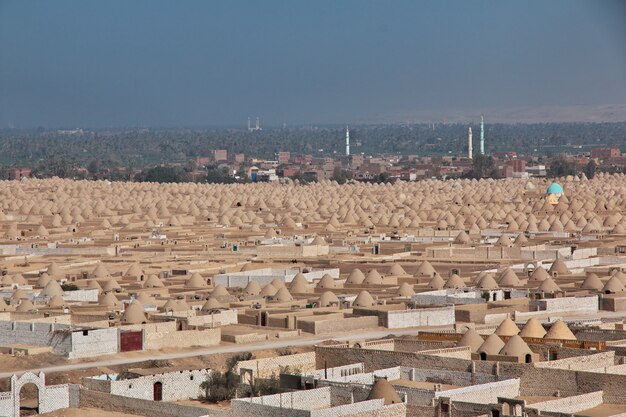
point(537, 171)
point(283, 157)
point(203, 160)
point(515, 168)
point(220, 155)
point(605, 153)
point(19, 173)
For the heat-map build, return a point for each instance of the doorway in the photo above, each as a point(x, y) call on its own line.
point(158, 391)
point(29, 400)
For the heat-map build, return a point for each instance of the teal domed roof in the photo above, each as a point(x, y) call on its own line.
point(555, 188)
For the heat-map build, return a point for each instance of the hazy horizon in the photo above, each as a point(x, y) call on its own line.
point(199, 63)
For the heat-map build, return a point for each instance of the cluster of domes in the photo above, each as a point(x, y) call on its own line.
point(56, 206)
point(515, 344)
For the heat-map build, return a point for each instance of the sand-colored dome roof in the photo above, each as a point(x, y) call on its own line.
point(533, 328)
point(492, 345)
point(454, 281)
point(373, 278)
point(111, 285)
point(462, 238)
point(364, 299)
point(133, 270)
point(487, 283)
point(170, 305)
point(145, 299)
point(54, 270)
point(560, 331)
point(326, 282)
point(51, 289)
point(515, 346)
point(539, 274)
point(277, 283)
point(327, 298)
point(508, 278)
point(425, 269)
point(436, 283)
point(108, 300)
point(181, 305)
point(253, 288)
point(472, 339)
point(507, 328)
point(405, 290)
point(318, 241)
point(220, 291)
point(283, 295)
point(520, 240)
point(268, 291)
point(92, 284)
point(383, 390)
point(19, 279)
point(503, 240)
point(617, 274)
point(396, 270)
point(592, 282)
point(196, 281)
point(56, 301)
point(153, 282)
point(211, 304)
point(18, 295)
point(613, 285)
point(559, 267)
point(356, 277)
point(42, 281)
point(299, 284)
point(548, 286)
point(134, 313)
point(100, 271)
point(25, 306)
point(7, 281)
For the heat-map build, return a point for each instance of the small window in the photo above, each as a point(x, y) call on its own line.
point(130, 386)
point(191, 377)
point(85, 332)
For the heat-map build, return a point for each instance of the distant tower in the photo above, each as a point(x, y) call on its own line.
point(469, 143)
point(249, 124)
point(347, 141)
point(482, 135)
point(258, 124)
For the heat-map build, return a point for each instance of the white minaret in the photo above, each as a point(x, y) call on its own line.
point(347, 141)
point(482, 135)
point(249, 125)
point(469, 143)
point(258, 123)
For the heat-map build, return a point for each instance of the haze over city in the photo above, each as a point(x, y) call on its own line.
point(195, 63)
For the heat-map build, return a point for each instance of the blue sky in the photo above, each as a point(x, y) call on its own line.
point(158, 63)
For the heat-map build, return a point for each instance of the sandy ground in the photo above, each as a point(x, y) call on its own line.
point(214, 361)
point(84, 412)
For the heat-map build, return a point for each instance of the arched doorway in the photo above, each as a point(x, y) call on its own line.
point(528, 358)
point(158, 391)
point(29, 400)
